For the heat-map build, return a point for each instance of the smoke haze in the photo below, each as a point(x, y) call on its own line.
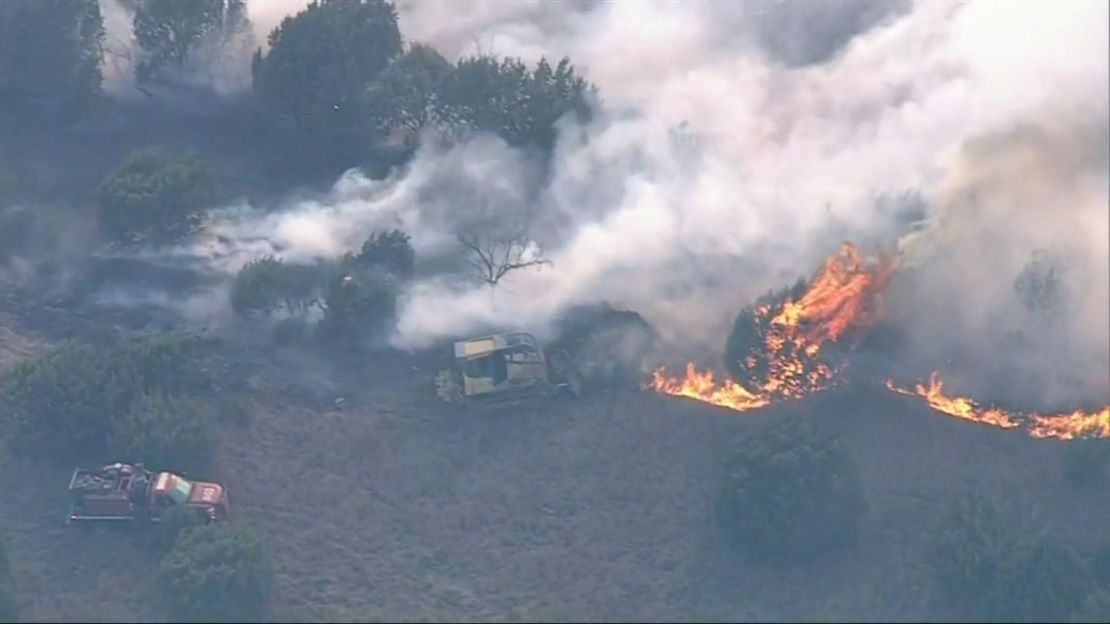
point(738, 145)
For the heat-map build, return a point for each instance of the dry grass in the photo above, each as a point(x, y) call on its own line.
point(398, 508)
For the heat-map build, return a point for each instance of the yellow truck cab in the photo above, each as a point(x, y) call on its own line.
point(509, 367)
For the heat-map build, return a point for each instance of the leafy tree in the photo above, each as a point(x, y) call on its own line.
point(216, 573)
point(506, 98)
point(610, 346)
point(176, 522)
point(358, 306)
point(999, 566)
point(163, 430)
point(267, 285)
point(319, 64)
point(745, 353)
point(789, 492)
point(50, 53)
point(66, 403)
point(399, 102)
point(390, 252)
point(168, 30)
point(155, 197)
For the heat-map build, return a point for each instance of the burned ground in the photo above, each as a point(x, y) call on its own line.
point(390, 505)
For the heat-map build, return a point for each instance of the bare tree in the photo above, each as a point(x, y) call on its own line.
point(493, 255)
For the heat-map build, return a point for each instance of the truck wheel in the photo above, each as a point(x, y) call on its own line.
point(565, 372)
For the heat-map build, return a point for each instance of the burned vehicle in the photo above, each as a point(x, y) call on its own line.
point(122, 492)
point(507, 369)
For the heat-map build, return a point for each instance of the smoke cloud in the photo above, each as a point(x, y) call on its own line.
point(730, 160)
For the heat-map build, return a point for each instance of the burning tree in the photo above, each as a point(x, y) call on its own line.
point(776, 345)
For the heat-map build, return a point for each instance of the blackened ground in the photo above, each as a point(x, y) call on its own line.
point(394, 506)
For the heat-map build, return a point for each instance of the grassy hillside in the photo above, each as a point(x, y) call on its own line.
point(398, 507)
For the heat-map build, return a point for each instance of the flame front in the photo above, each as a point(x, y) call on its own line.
point(784, 361)
point(700, 386)
point(1078, 424)
point(845, 298)
point(845, 294)
point(960, 407)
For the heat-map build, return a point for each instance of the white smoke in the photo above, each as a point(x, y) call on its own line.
point(721, 170)
point(219, 64)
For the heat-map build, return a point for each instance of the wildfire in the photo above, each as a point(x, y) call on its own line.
point(844, 295)
point(784, 361)
point(700, 386)
point(842, 300)
point(1078, 424)
point(960, 407)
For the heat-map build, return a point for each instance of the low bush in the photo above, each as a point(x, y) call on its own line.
point(789, 493)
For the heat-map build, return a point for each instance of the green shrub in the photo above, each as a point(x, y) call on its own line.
point(161, 430)
point(178, 521)
point(789, 492)
point(216, 573)
point(358, 306)
point(390, 252)
point(268, 285)
point(64, 404)
point(998, 565)
point(155, 197)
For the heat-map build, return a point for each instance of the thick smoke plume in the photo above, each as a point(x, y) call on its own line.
point(726, 163)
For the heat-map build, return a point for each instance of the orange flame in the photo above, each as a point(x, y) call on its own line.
point(960, 407)
point(1078, 424)
point(843, 295)
point(700, 386)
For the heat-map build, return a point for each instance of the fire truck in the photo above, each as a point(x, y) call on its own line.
point(121, 492)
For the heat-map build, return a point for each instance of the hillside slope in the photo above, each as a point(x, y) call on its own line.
point(398, 507)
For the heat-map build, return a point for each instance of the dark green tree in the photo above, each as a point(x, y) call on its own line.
point(65, 404)
point(155, 197)
point(789, 492)
point(50, 53)
point(161, 430)
point(1040, 286)
point(169, 30)
point(177, 521)
point(216, 573)
point(1000, 566)
point(319, 64)
point(359, 305)
point(390, 252)
point(267, 285)
point(506, 98)
point(398, 104)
